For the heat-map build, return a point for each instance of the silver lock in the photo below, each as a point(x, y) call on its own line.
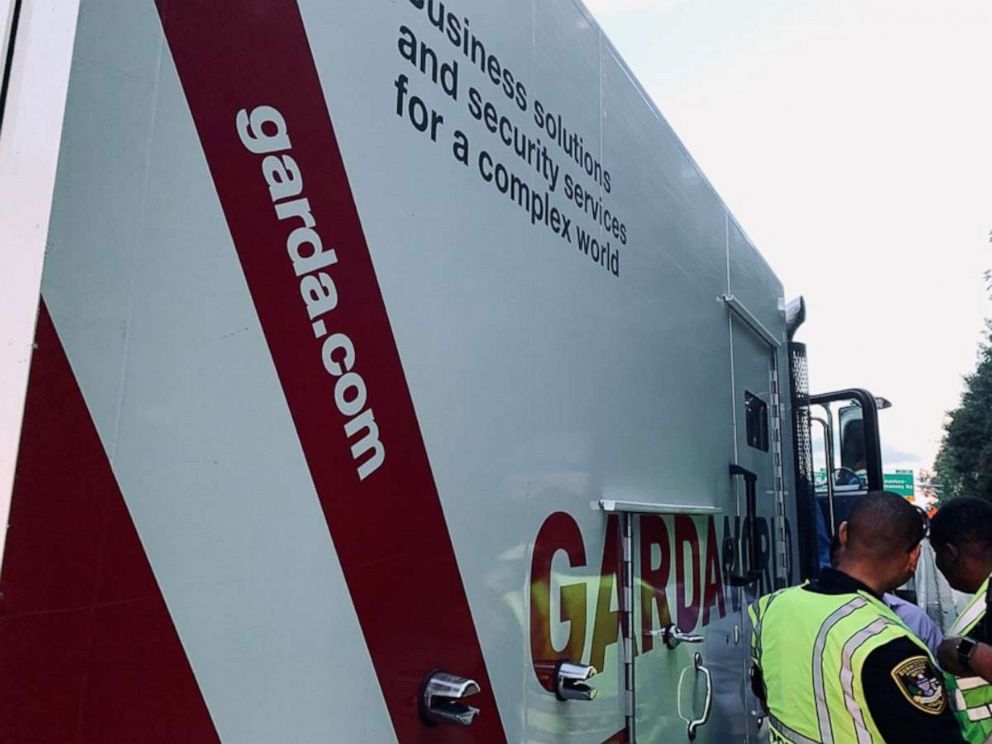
point(672, 636)
point(440, 699)
point(570, 681)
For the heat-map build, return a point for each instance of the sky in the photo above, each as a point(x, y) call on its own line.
point(852, 140)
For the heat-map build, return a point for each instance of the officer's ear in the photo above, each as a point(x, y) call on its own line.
point(946, 556)
point(842, 534)
point(951, 553)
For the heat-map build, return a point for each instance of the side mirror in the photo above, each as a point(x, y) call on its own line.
point(853, 452)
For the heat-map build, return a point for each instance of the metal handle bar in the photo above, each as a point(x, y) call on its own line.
point(708, 705)
point(752, 573)
point(672, 635)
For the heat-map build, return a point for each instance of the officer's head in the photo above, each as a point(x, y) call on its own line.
point(883, 533)
point(961, 537)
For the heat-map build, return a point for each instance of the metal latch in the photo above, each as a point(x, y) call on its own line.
point(671, 635)
point(570, 681)
point(440, 696)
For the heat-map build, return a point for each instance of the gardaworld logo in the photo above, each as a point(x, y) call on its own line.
point(263, 132)
point(680, 580)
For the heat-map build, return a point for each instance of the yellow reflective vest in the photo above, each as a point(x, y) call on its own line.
point(971, 697)
point(811, 649)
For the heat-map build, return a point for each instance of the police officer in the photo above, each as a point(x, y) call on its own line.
point(832, 663)
point(962, 543)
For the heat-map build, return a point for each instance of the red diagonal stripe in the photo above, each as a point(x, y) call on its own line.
point(88, 652)
point(388, 529)
point(620, 737)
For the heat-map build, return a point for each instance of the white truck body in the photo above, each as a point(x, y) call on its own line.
point(380, 393)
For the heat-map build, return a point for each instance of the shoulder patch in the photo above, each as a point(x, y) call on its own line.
point(920, 684)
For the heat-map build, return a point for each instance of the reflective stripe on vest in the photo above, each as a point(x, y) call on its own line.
point(787, 734)
point(847, 675)
point(961, 685)
point(972, 613)
point(981, 713)
point(819, 688)
point(971, 697)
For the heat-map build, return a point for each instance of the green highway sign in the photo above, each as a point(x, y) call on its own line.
point(900, 482)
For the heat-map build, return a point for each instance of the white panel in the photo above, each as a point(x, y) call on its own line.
point(753, 283)
point(29, 147)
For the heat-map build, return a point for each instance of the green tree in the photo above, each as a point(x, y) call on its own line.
point(964, 462)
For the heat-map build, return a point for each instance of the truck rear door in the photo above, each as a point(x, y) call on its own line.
point(763, 560)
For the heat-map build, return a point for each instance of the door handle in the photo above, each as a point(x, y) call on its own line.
point(671, 635)
point(440, 696)
point(570, 681)
point(694, 725)
point(752, 573)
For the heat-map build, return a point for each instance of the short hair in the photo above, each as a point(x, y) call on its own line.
point(963, 520)
point(883, 524)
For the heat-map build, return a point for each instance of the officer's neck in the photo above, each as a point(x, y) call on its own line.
point(875, 577)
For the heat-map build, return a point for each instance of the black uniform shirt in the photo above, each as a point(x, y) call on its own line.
point(899, 681)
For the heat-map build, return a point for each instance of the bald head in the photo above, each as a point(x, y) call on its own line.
point(882, 527)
